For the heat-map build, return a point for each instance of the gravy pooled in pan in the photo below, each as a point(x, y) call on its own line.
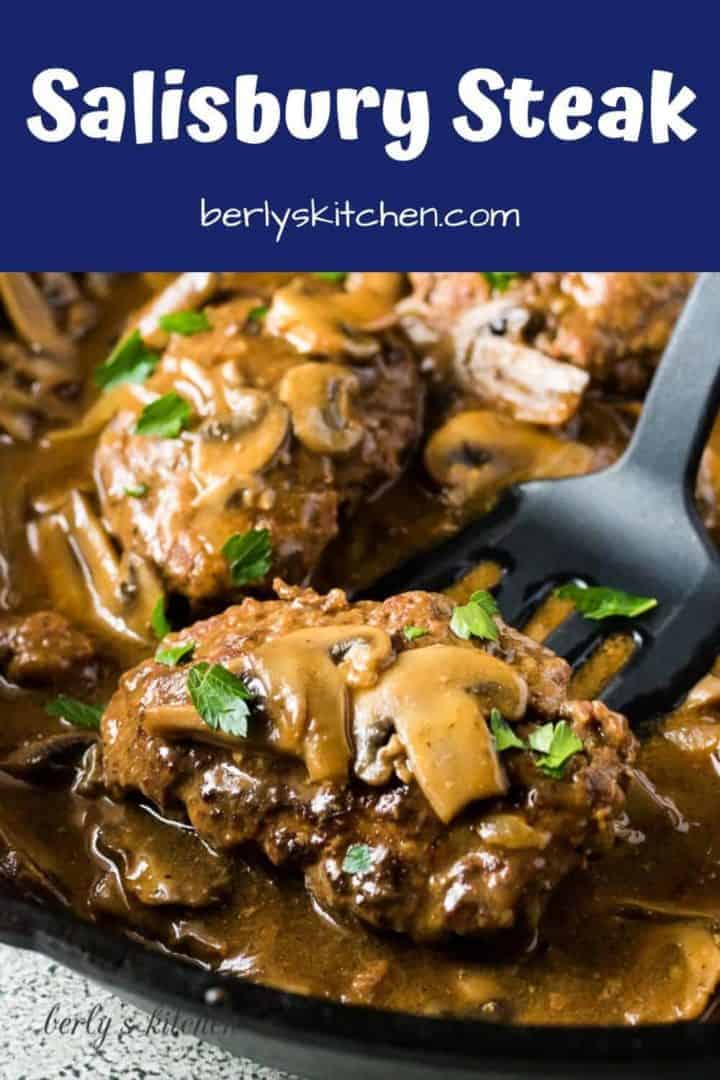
point(406, 803)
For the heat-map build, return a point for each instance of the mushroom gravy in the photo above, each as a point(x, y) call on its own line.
point(635, 931)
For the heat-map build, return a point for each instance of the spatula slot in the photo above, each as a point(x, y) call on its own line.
point(605, 662)
point(576, 638)
point(519, 598)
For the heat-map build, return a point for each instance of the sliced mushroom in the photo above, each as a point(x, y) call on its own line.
point(37, 371)
point(32, 315)
point(32, 389)
point(40, 376)
point(181, 720)
point(315, 319)
point(243, 442)
point(186, 292)
point(478, 452)
point(319, 397)
point(75, 313)
point(305, 676)
point(163, 863)
point(674, 974)
point(438, 699)
point(87, 579)
point(506, 373)
point(302, 681)
point(52, 753)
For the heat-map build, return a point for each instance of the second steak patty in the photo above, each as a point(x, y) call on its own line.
point(369, 765)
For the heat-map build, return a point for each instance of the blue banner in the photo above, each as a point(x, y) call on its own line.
point(377, 136)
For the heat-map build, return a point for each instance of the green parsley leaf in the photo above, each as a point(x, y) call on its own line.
point(475, 619)
point(598, 602)
point(185, 322)
point(165, 417)
point(76, 712)
point(257, 314)
point(136, 491)
point(499, 279)
point(159, 620)
point(563, 745)
point(505, 737)
point(249, 555)
point(412, 633)
point(554, 743)
point(358, 859)
point(220, 698)
point(541, 738)
point(334, 276)
point(173, 654)
point(129, 362)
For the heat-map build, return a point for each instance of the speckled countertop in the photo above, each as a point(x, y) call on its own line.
point(41, 1002)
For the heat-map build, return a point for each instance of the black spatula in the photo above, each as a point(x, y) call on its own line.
point(633, 527)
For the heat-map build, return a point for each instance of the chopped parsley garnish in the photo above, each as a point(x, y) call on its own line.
point(499, 279)
point(249, 555)
point(257, 314)
point(76, 712)
point(564, 743)
point(136, 491)
point(598, 602)
point(358, 859)
point(554, 743)
point(505, 737)
point(174, 654)
point(166, 417)
point(334, 276)
point(159, 619)
point(412, 633)
point(476, 618)
point(185, 322)
point(220, 698)
point(129, 362)
point(541, 738)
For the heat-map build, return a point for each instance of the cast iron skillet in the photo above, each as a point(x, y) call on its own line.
point(321, 1040)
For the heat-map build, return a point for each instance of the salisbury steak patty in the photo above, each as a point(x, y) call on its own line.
point(298, 409)
point(42, 648)
point(611, 325)
point(368, 761)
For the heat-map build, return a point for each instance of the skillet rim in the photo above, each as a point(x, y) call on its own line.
point(123, 964)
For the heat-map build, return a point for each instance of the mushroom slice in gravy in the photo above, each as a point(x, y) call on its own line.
point(477, 452)
point(242, 442)
point(439, 700)
point(319, 397)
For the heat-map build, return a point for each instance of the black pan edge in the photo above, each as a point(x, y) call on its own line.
point(320, 1039)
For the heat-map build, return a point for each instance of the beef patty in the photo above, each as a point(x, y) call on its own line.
point(299, 409)
point(612, 325)
point(368, 763)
